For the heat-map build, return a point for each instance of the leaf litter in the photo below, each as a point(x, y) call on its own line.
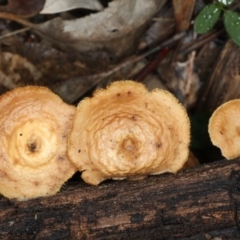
point(74, 47)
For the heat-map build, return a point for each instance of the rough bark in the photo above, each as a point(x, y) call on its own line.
point(224, 84)
point(197, 203)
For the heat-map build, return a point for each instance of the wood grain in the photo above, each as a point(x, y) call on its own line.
point(197, 203)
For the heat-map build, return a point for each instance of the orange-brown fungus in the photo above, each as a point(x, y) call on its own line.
point(34, 126)
point(192, 161)
point(224, 129)
point(127, 132)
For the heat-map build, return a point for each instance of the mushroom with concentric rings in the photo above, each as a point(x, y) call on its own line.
point(34, 126)
point(224, 128)
point(127, 132)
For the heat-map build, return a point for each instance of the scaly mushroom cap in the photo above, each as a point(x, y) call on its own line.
point(127, 132)
point(224, 129)
point(34, 126)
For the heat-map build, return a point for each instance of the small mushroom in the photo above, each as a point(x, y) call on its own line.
point(191, 162)
point(224, 128)
point(127, 132)
point(34, 126)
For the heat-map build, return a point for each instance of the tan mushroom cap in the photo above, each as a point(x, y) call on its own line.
point(224, 128)
point(127, 132)
point(34, 126)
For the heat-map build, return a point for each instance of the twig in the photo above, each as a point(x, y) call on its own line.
point(28, 24)
point(140, 76)
point(7, 35)
point(189, 47)
point(17, 19)
point(146, 54)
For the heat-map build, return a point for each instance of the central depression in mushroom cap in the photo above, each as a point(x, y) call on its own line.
point(125, 131)
point(34, 126)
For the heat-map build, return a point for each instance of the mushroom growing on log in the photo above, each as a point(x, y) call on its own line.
point(224, 128)
point(34, 126)
point(127, 132)
point(201, 203)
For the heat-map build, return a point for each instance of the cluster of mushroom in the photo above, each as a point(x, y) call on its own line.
point(121, 132)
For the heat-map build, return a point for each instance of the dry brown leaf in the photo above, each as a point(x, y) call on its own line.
point(181, 79)
point(163, 28)
point(107, 36)
point(56, 6)
point(183, 13)
point(23, 8)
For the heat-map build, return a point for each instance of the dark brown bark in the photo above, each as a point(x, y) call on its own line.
point(224, 84)
point(198, 203)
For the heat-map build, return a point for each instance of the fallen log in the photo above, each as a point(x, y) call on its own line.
point(197, 203)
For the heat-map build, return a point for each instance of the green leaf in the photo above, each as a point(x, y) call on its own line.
point(232, 25)
point(207, 18)
point(226, 2)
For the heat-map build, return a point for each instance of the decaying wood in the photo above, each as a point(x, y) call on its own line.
point(224, 84)
point(198, 203)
